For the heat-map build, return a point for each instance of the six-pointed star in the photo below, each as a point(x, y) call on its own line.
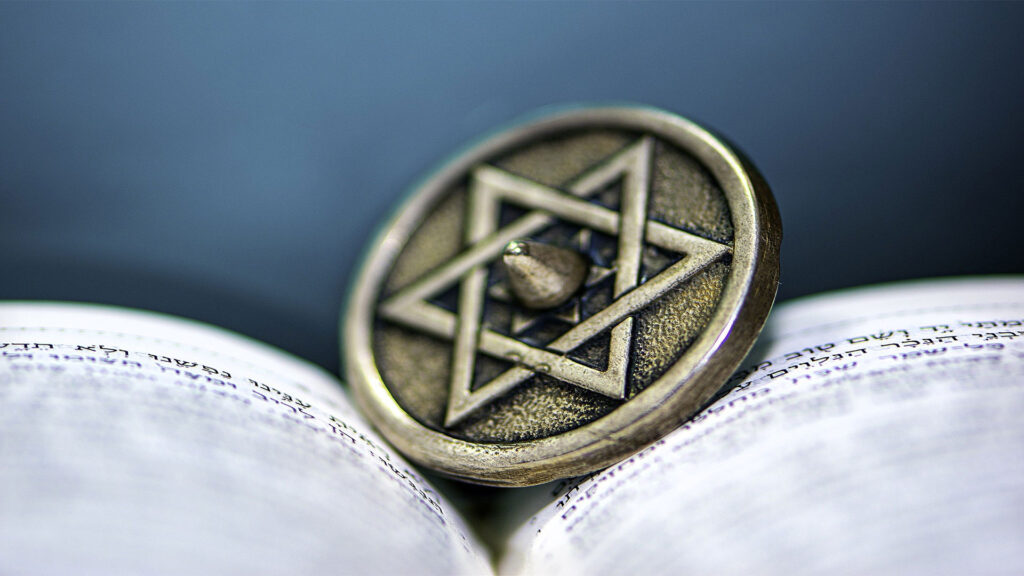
point(489, 187)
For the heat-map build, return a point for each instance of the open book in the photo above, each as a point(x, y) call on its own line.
point(876, 430)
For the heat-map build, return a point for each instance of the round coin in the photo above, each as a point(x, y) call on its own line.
point(561, 295)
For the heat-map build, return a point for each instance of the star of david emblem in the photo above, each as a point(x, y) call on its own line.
point(485, 241)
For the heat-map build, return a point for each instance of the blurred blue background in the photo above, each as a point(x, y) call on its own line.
point(229, 162)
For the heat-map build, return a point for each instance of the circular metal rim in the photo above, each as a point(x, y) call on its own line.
point(690, 382)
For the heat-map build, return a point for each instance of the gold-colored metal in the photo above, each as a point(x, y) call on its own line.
point(543, 276)
point(561, 295)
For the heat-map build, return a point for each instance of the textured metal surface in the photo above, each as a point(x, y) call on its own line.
point(474, 371)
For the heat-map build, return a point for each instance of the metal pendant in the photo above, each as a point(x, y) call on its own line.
point(561, 295)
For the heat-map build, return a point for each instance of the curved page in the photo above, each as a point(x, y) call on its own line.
point(135, 443)
point(877, 431)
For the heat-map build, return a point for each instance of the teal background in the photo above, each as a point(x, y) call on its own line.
point(229, 161)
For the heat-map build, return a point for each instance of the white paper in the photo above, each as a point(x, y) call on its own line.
point(132, 443)
point(879, 431)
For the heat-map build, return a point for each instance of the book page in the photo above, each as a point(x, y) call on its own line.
point(135, 443)
point(876, 431)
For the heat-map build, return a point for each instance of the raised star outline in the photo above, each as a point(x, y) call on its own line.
point(485, 242)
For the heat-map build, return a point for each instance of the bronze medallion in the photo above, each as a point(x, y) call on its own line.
point(561, 295)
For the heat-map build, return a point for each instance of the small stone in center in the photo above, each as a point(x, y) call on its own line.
point(543, 276)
